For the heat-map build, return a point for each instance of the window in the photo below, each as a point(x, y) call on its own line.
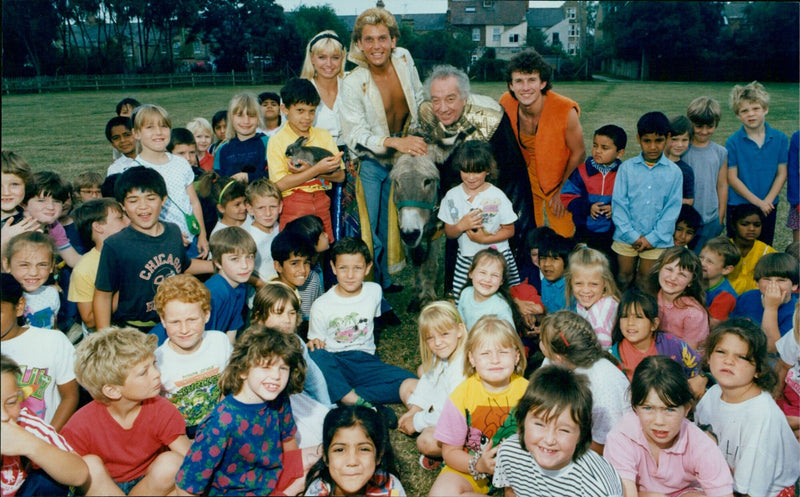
point(573, 49)
point(556, 39)
point(476, 34)
point(469, 10)
point(488, 4)
point(513, 38)
point(574, 30)
point(496, 34)
point(571, 14)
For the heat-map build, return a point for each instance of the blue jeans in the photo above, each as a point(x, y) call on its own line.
point(377, 188)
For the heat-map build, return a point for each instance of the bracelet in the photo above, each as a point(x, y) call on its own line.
point(474, 472)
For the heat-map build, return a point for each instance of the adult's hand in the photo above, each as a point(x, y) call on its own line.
point(413, 145)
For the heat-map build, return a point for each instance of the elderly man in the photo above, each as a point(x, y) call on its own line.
point(451, 115)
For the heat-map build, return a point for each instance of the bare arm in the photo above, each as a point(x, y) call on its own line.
point(629, 488)
point(505, 232)
point(70, 256)
point(777, 184)
point(740, 188)
point(200, 266)
point(328, 165)
point(771, 299)
point(69, 403)
point(197, 210)
point(573, 137)
point(722, 191)
point(65, 467)
point(102, 309)
point(85, 309)
point(181, 445)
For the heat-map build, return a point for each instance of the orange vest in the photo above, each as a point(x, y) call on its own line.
point(551, 152)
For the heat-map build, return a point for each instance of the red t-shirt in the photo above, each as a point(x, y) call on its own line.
point(126, 453)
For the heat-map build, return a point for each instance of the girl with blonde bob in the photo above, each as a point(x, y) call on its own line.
point(243, 154)
point(442, 338)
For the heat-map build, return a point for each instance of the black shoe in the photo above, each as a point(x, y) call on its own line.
point(393, 288)
point(388, 416)
point(389, 318)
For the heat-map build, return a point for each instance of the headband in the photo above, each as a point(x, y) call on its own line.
point(219, 201)
point(323, 36)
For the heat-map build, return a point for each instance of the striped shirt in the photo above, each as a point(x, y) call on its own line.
point(589, 476)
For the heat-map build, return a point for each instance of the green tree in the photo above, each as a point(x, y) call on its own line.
point(29, 29)
point(766, 45)
point(309, 21)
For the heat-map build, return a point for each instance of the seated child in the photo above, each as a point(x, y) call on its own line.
point(553, 259)
point(291, 256)
point(747, 220)
point(233, 252)
point(591, 284)
point(718, 258)
point(442, 337)
point(192, 358)
point(138, 258)
point(788, 370)
point(243, 153)
point(487, 290)
point(46, 356)
point(276, 306)
point(478, 414)
point(30, 258)
point(270, 103)
point(349, 429)
point(36, 459)
point(686, 227)
point(303, 185)
point(132, 439)
point(182, 144)
point(587, 191)
point(772, 304)
point(655, 449)
point(341, 333)
point(737, 358)
point(119, 132)
point(263, 203)
point(44, 202)
point(637, 335)
point(680, 134)
point(568, 340)
point(96, 220)
point(550, 454)
point(477, 213)
point(203, 133)
point(646, 202)
point(677, 276)
point(247, 446)
point(311, 229)
point(15, 176)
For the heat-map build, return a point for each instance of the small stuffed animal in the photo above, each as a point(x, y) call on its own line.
point(298, 152)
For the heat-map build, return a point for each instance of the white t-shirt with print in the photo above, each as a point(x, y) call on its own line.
point(495, 208)
point(346, 323)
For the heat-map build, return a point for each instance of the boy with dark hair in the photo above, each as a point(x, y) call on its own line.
point(126, 106)
point(132, 439)
point(219, 123)
point(554, 253)
point(270, 103)
point(303, 185)
point(291, 256)
point(138, 258)
point(183, 144)
point(718, 258)
point(341, 338)
point(96, 220)
point(646, 202)
point(680, 133)
point(686, 227)
point(587, 191)
point(772, 304)
point(119, 132)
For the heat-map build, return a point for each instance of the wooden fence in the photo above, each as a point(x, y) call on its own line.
point(70, 83)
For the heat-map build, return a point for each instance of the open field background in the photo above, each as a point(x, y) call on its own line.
point(65, 133)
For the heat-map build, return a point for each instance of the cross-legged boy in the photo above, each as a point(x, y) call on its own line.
point(192, 358)
point(757, 158)
point(119, 132)
point(132, 439)
point(264, 205)
point(718, 258)
point(646, 202)
point(341, 338)
point(96, 220)
point(138, 258)
point(303, 185)
point(233, 253)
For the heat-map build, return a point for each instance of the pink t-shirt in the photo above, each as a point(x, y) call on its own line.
point(126, 453)
point(685, 318)
point(693, 460)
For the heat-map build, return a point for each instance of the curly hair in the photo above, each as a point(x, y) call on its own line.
point(183, 288)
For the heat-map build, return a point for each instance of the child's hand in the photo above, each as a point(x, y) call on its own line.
point(766, 207)
point(642, 244)
point(299, 166)
point(487, 460)
point(22, 226)
point(528, 308)
point(406, 422)
point(472, 221)
point(600, 209)
point(240, 177)
point(315, 343)
point(14, 440)
point(329, 164)
point(773, 296)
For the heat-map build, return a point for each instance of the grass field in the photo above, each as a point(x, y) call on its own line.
point(64, 133)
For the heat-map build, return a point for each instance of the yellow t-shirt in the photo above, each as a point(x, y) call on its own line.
point(741, 279)
point(278, 163)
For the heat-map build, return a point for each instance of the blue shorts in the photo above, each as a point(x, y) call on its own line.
point(372, 379)
point(127, 486)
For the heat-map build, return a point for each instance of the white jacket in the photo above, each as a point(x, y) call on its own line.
point(363, 116)
point(434, 388)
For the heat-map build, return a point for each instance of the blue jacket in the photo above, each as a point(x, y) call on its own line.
point(584, 187)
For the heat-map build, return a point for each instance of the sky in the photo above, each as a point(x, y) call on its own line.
point(355, 7)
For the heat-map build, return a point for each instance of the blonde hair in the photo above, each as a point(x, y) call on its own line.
point(27, 239)
point(273, 297)
point(752, 92)
point(439, 317)
point(371, 17)
point(12, 163)
point(262, 187)
point(200, 124)
point(323, 43)
point(183, 288)
point(243, 103)
point(148, 113)
point(590, 259)
point(569, 335)
point(490, 328)
point(107, 357)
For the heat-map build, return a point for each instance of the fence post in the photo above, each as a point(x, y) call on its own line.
point(96, 83)
point(233, 78)
point(192, 80)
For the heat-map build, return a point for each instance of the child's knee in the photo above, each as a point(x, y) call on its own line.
point(163, 469)
point(407, 388)
point(427, 444)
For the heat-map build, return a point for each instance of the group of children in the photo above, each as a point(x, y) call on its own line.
point(539, 378)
